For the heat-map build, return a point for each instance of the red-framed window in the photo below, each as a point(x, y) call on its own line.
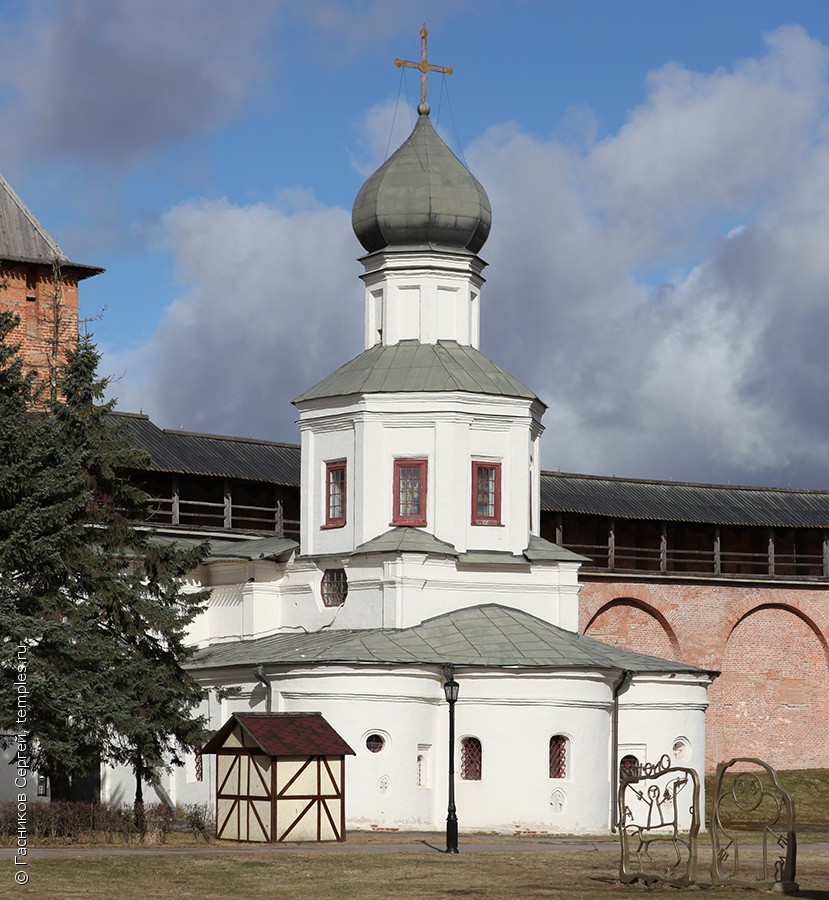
point(471, 759)
point(486, 493)
point(335, 494)
point(409, 506)
point(558, 756)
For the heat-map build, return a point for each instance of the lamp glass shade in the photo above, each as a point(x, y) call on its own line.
point(450, 688)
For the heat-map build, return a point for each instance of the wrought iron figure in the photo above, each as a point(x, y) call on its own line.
point(650, 818)
point(756, 804)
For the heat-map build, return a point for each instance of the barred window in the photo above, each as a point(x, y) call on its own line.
point(334, 587)
point(558, 756)
point(629, 766)
point(471, 759)
point(199, 766)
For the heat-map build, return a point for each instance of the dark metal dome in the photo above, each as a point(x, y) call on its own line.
point(422, 194)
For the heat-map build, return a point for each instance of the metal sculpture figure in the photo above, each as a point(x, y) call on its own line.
point(754, 804)
point(654, 846)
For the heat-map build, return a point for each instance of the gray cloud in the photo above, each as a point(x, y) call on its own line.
point(95, 81)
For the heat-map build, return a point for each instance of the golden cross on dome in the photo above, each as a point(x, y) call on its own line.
point(424, 66)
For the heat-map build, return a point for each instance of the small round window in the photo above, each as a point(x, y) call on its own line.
point(681, 749)
point(375, 743)
point(334, 587)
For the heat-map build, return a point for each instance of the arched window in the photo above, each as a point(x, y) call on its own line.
point(628, 766)
point(558, 756)
point(471, 759)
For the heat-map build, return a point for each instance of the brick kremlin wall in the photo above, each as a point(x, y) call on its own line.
point(770, 642)
point(29, 291)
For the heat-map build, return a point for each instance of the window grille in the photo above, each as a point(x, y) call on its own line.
point(421, 775)
point(199, 766)
point(471, 759)
point(375, 743)
point(334, 587)
point(558, 756)
point(628, 766)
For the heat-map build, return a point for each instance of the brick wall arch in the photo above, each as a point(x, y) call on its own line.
point(815, 618)
point(630, 623)
point(772, 698)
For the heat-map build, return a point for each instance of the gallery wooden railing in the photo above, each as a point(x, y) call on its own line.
point(226, 514)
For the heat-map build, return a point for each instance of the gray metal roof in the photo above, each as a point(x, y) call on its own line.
point(540, 550)
point(412, 366)
point(24, 239)
point(488, 636)
point(406, 540)
point(186, 453)
point(668, 501)
point(271, 547)
point(422, 194)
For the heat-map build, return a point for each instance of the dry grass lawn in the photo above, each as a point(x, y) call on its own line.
point(542, 870)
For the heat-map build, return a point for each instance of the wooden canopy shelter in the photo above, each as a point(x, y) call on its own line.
point(279, 777)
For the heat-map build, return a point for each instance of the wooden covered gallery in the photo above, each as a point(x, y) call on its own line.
point(279, 777)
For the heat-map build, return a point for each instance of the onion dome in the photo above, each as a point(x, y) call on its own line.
point(422, 194)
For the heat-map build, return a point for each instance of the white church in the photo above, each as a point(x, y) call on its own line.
point(420, 551)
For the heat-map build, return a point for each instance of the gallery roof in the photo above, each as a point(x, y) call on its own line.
point(670, 501)
point(189, 453)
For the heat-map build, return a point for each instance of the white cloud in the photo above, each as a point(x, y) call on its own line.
point(264, 312)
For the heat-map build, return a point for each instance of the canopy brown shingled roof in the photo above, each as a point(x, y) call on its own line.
point(284, 734)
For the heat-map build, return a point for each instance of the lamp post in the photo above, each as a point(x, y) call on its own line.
point(450, 689)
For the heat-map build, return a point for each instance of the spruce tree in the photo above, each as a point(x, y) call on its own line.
point(96, 600)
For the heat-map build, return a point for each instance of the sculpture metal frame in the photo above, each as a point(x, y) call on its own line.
point(744, 803)
point(649, 816)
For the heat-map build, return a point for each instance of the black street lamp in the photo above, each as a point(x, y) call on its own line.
point(450, 689)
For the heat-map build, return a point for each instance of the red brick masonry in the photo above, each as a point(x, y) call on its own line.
point(769, 641)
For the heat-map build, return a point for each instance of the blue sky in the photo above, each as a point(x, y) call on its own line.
point(658, 174)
